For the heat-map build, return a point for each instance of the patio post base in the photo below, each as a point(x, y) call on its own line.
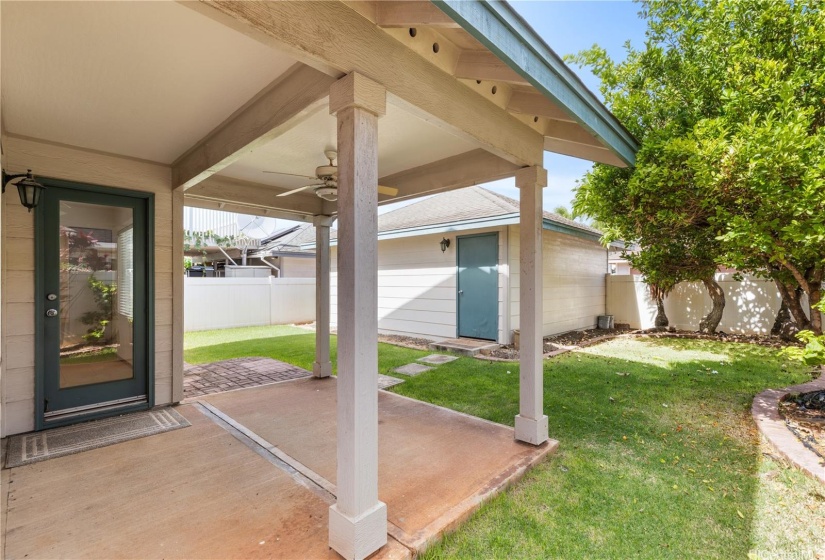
point(530, 430)
point(355, 538)
point(321, 369)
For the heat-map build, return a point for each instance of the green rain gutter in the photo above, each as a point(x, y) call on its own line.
point(505, 33)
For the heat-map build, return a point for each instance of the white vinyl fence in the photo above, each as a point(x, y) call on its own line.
point(750, 305)
point(224, 303)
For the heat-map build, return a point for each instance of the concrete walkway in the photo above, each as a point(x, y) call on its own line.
point(253, 477)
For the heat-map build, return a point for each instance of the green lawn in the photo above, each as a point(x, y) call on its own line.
point(663, 462)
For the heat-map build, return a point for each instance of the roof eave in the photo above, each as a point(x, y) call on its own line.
point(504, 32)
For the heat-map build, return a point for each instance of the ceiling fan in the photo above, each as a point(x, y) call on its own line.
point(326, 176)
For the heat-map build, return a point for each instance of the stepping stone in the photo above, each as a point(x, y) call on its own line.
point(437, 359)
point(412, 369)
point(385, 381)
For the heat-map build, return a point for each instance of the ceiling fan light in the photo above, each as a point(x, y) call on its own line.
point(327, 193)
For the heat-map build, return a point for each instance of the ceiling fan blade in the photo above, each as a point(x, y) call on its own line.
point(293, 191)
point(389, 191)
point(292, 174)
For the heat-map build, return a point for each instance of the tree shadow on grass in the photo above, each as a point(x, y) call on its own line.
point(656, 460)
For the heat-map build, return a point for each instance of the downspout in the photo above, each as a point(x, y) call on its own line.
point(272, 266)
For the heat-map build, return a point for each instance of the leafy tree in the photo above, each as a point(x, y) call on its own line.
point(564, 212)
point(728, 101)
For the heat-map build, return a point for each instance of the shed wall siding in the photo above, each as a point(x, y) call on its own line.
point(293, 267)
point(18, 326)
point(574, 281)
point(417, 285)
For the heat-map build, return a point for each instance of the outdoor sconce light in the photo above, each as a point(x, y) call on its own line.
point(444, 244)
point(28, 189)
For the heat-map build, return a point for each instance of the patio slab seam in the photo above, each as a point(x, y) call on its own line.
point(445, 522)
point(765, 412)
point(311, 476)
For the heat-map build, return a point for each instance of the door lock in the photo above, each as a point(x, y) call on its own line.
point(51, 297)
point(51, 313)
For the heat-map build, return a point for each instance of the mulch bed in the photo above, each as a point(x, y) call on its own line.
point(581, 339)
point(405, 341)
point(805, 416)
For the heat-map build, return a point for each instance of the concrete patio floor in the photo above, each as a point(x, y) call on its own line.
point(253, 477)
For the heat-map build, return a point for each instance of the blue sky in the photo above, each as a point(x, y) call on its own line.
point(569, 27)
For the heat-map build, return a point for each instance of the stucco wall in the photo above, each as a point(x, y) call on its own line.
point(18, 325)
point(750, 308)
point(573, 281)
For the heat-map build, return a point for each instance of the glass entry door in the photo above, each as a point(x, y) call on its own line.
point(93, 295)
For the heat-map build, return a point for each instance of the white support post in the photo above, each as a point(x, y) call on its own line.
point(322, 366)
point(358, 521)
point(531, 423)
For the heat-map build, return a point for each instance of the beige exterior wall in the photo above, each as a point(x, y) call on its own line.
point(574, 284)
point(18, 325)
point(417, 284)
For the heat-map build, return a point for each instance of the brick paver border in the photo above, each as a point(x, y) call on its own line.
point(765, 411)
point(237, 373)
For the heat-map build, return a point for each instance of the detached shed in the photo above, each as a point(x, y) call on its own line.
point(471, 288)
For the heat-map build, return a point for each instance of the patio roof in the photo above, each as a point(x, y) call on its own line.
point(237, 147)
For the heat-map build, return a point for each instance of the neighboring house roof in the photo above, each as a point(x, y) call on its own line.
point(472, 203)
point(463, 209)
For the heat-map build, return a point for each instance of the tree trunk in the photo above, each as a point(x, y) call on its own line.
point(792, 296)
point(711, 321)
point(661, 321)
point(783, 316)
point(816, 317)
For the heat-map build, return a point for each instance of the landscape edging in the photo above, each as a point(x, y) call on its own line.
point(765, 411)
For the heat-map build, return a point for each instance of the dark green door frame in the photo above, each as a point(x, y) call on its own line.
point(46, 215)
point(476, 292)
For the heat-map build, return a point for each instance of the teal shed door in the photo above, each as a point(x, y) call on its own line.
point(478, 286)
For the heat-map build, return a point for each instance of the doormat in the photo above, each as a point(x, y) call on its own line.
point(57, 442)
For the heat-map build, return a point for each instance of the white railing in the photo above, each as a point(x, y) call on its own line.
point(223, 303)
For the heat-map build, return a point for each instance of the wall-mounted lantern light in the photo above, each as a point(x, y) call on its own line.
point(444, 244)
point(29, 190)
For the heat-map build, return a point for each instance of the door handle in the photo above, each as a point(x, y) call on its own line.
point(51, 313)
point(461, 292)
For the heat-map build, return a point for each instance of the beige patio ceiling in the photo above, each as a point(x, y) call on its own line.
point(224, 91)
point(139, 79)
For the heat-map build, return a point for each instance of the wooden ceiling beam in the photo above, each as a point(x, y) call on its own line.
point(209, 204)
point(411, 14)
point(537, 105)
point(292, 97)
point(351, 42)
point(464, 170)
point(236, 191)
point(571, 132)
point(582, 151)
point(484, 65)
